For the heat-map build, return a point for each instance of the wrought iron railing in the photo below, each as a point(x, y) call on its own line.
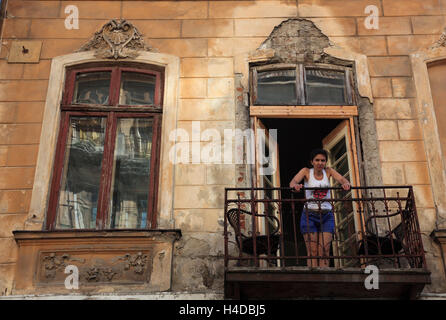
point(373, 226)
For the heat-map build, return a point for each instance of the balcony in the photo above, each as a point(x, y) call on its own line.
point(376, 240)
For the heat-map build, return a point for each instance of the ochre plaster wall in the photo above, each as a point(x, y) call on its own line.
point(209, 37)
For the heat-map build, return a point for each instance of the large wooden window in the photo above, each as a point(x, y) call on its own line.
point(292, 85)
point(105, 173)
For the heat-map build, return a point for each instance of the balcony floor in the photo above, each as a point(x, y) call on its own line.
point(321, 283)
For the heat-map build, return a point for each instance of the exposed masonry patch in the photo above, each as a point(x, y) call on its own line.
point(198, 274)
point(300, 41)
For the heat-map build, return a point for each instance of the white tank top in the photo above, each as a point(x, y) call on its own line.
point(318, 194)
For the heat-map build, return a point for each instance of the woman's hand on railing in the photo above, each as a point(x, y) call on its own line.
point(297, 188)
point(346, 186)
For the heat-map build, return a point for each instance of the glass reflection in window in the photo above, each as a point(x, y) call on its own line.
point(92, 88)
point(325, 87)
point(131, 173)
point(137, 89)
point(77, 206)
point(276, 88)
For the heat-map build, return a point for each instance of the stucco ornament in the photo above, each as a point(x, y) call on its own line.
point(440, 42)
point(117, 39)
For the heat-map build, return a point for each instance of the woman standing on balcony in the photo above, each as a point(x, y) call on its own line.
point(317, 220)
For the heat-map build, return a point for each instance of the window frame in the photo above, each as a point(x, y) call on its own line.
point(301, 92)
point(2, 16)
point(112, 112)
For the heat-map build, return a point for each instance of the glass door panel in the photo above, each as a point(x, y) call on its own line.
point(338, 144)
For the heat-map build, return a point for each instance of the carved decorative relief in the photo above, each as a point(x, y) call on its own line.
point(136, 262)
point(440, 42)
point(97, 267)
point(117, 39)
point(53, 263)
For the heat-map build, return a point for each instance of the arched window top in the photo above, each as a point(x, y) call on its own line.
point(301, 84)
point(124, 86)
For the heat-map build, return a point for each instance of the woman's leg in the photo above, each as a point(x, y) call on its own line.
point(311, 244)
point(324, 247)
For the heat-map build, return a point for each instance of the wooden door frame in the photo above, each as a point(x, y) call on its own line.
point(312, 112)
point(257, 124)
point(309, 112)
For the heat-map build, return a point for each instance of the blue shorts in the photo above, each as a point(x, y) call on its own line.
point(317, 222)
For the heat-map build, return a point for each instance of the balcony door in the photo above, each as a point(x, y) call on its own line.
point(340, 146)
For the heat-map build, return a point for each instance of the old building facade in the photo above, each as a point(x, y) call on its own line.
point(119, 124)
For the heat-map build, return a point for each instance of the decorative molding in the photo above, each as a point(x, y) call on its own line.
point(97, 267)
point(105, 261)
point(98, 274)
point(136, 262)
point(440, 42)
point(54, 263)
point(117, 39)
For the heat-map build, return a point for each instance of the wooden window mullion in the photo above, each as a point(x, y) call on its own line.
point(58, 164)
point(157, 99)
point(303, 76)
point(300, 82)
point(348, 86)
point(115, 86)
point(71, 79)
point(254, 85)
point(106, 172)
point(154, 167)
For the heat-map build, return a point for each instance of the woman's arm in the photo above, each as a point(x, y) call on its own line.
point(295, 182)
point(339, 178)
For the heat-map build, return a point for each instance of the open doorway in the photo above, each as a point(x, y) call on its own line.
point(295, 139)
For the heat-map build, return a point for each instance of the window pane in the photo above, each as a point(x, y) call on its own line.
point(325, 87)
point(131, 173)
point(92, 88)
point(276, 88)
point(81, 175)
point(338, 150)
point(137, 89)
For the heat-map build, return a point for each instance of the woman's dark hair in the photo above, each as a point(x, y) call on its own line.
point(315, 152)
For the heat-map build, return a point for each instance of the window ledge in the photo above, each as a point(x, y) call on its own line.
point(24, 235)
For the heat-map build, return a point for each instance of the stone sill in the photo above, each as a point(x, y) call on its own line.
point(25, 235)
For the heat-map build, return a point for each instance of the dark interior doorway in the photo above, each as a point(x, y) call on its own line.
point(296, 138)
